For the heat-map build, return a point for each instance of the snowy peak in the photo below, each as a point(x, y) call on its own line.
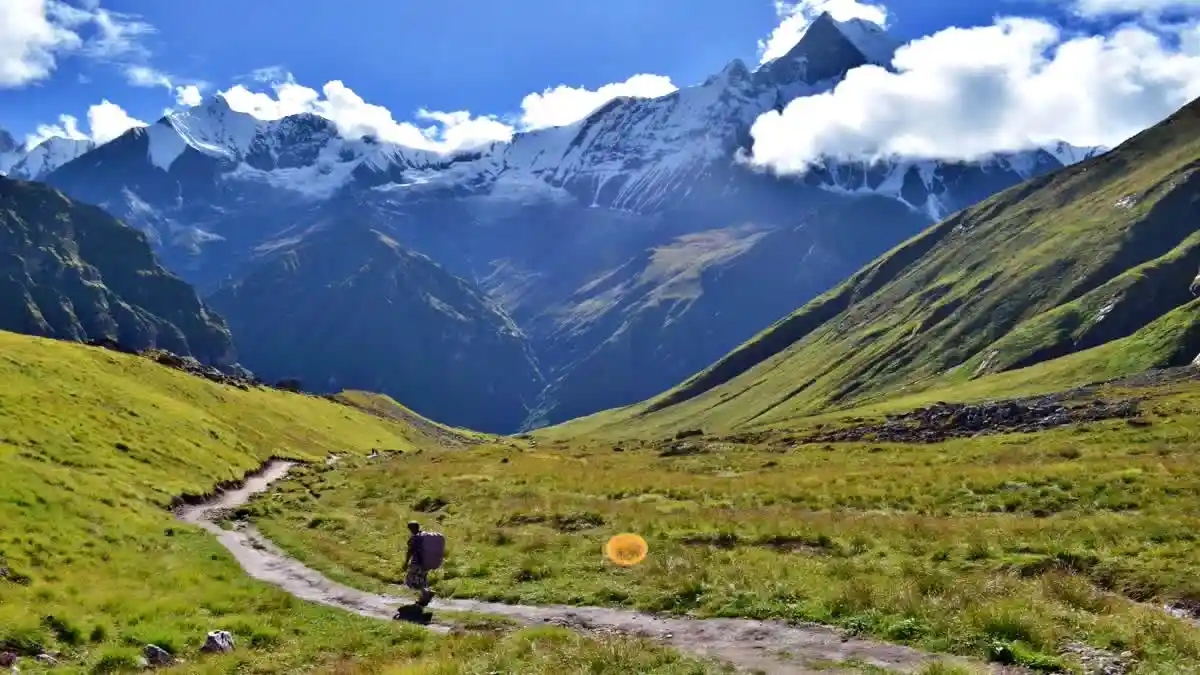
point(828, 50)
point(10, 152)
point(215, 129)
point(1069, 154)
point(7, 143)
point(735, 72)
point(50, 154)
point(875, 44)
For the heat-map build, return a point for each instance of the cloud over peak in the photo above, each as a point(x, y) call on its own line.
point(797, 15)
point(446, 132)
point(1027, 82)
point(106, 121)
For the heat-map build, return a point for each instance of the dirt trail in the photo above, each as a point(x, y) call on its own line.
point(756, 646)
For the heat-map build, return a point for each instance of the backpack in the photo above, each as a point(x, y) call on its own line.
point(433, 549)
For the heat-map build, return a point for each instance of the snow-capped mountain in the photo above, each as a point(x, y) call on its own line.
point(17, 161)
point(639, 155)
point(10, 151)
point(632, 248)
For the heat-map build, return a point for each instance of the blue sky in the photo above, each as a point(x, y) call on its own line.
point(479, 55)
point(482, 56)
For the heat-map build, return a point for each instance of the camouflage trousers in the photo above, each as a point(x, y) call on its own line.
point(417, 578)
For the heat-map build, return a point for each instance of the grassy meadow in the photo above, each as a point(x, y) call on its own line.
point(1005, 546)
point(93, 447)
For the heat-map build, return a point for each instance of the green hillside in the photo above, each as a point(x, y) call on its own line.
point(93, 447)
point(1093, 263)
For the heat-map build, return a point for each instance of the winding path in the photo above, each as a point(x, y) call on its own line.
point(756, 646)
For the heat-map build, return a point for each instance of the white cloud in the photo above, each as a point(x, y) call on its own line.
point(188, 95)
point(109, 120)
point(447, 132)
point(797, 16)
point(564, 105)
point(462, 130)
point(30, 42)
point(117, 35)
point(106, 121)
point(1025, 83)
point(34, 34)
point(269, 74)
point(145, 76)
point(67, 127)
point(451, 131)
point(1093, 8)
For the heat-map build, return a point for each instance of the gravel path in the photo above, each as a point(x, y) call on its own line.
point(749, 645)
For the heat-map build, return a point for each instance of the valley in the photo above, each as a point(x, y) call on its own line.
point(593, 265)
point(1011, 547)
point(879, 396)
point(97, 446)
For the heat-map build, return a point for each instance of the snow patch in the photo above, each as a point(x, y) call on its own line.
point(445, 308)
point(165, 145)
point(316, 181)
point(869, 38)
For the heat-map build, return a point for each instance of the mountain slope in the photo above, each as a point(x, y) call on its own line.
point(632, 247)
point(71, 271)
point(1101, 254)
point(98, 445)
point(346, 307)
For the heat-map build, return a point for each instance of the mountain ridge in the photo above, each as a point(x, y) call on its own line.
point(1099, 265)
point(71, 271)
point(575, 232)
point(348, 307)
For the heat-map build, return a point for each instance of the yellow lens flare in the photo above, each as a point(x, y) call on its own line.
point(626, 550)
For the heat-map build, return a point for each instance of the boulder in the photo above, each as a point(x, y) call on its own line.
point(46, 660)
point(218, 642)
point(157, 656)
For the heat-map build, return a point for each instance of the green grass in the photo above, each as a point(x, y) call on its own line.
point(988, 546)
point(1093, 261)
point(93, 446)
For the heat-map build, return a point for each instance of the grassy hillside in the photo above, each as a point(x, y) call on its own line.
point(94, 445)
point(1003, 546)
point(1097, 255)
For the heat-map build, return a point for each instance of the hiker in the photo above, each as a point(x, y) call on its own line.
point(417, 564)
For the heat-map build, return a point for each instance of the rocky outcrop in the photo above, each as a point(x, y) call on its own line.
point(71, 271)
point(943, 421)
point(157, 657)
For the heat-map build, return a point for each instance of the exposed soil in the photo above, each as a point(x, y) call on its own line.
point(748, 645)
